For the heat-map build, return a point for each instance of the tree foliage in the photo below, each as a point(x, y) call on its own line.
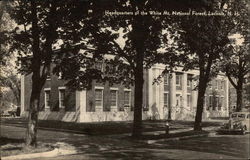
point(127, 44)
point(204, 40)
point(39, 26)
point(236, 63)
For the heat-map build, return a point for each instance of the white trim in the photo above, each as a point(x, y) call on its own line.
point(63, 87)
point(127, 89)
point(47, 89)
point(113, 88)
point(99, 87)
point(179, 92)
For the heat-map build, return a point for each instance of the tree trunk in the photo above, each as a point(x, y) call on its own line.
point(137, 126)
point(200, 103)
point(138, 41)
point(239, 98)
point(31, 134)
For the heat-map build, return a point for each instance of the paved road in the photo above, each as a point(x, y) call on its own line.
point(107, 147)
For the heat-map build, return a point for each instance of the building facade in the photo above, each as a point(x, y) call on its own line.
point(174, 96)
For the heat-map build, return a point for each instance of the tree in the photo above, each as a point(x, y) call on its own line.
point(236, 64)
point(204, 39)
point(12, 82)
point(34, 39)
point(142, 35)
point(8, 74)
point(237, 69)
point(5, 26)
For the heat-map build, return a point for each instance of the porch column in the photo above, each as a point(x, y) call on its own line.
point(172, 96)
point(82, 101)
point(157, 96)
point(194, 96)
point(22, 96)
point(226, 110)
point(150, 91)
point(184, 92)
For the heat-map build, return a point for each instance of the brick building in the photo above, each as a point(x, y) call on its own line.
point(115, 103)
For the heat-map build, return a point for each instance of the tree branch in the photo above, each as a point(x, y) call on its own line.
point(231, 81)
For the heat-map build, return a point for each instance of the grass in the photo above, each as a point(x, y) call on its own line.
point(108, 128)
point(16, 146)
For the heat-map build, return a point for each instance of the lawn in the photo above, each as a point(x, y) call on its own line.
point(16, 146)
point(107, 128)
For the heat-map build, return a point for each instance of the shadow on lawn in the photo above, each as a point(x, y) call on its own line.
point(5, 140)
point(228, 147)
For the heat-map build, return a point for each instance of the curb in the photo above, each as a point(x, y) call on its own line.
point(176, 138)
point(54, 153)
point(48, 129)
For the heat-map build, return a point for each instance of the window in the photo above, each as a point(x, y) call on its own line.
point(166, 100)
point(216, 84)
point(127, 98)
point(210, 85)
point(47, 98)
point(113, 97)
point(205, 102)
point(61, 98)
point(189, 80)
point(216, 102)
point(178, 100)
point(98, 97)
point(60, 75)
point(234, 115)
point(241, 115)
point(210, 101)
point(165, 82)
point(189, 100)
point(178, 80)
point(248, 116)
point(222, 85)
point(99, 66)
point(221, 102)
point(48, 76)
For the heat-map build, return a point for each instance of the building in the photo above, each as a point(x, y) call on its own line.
point(175, 95)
